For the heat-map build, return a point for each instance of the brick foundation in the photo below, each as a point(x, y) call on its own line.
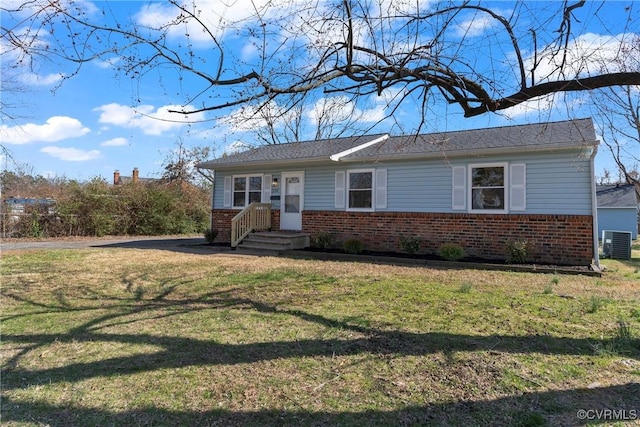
point(554, 239)
point(221, 221)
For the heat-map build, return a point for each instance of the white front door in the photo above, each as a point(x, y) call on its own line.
point(292, 201)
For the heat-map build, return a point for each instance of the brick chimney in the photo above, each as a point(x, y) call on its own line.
point(135, 175)
point(116, 177)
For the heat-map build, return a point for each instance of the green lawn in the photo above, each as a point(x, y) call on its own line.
point(129, 337)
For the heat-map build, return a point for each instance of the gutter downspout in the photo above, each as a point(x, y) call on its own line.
point(336, 157)
point(594, 208)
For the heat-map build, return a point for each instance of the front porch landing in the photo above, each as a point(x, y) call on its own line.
point(275, 241)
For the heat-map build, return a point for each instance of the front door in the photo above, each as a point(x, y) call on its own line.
point(292, 201)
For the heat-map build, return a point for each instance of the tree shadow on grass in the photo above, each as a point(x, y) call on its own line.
point(561, 408)
point(188, 245)
point(180, 352)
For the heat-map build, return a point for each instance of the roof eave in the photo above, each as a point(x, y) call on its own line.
point(468, 153)
point(246, 165)
point(410, 156)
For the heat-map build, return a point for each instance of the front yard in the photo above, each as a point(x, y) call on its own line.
point(148, 337)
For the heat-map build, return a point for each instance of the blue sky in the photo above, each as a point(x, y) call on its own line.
point(100, 120)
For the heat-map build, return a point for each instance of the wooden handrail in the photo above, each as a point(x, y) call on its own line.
point(255, 217)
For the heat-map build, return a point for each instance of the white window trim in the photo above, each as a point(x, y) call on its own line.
point(246, 191)
point(470, 167)
point(373, 190)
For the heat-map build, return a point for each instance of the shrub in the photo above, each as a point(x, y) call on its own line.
point(210, 235)
point(323, 240)
point(451, 251)
point(409, 244)
point(353, 246)
point(517, 251)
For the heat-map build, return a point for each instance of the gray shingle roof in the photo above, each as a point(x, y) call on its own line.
point(532, 137)
point(616, 196)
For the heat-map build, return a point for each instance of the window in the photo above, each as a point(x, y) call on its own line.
point(488, 188)
point(361, 189)
point(246, 190)
point(360, 185)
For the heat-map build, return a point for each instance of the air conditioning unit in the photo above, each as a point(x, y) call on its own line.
point(616, 244)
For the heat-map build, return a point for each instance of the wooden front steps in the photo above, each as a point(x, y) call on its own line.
point(274, 241)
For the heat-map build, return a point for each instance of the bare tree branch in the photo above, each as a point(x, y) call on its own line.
point(351, 48)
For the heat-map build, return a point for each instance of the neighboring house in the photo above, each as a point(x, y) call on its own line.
point(17, 205)
point(478, 188)
point(134, 178)
point(618, 208)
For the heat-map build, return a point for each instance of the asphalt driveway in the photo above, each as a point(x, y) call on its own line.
point(175, 243)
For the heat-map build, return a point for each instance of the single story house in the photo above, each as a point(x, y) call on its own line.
point(478, 188)
point(618, 208)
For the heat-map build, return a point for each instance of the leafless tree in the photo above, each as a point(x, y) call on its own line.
point(618, 115)
point(619, 120)
point(323, 118)
point(355, 48)
point(180, 165)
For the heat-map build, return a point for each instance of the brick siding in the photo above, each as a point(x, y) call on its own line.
point(221, 221)
point(555, 239)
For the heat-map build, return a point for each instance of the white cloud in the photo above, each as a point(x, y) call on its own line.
point(215, 14)
point(250, 117)
point(342, 109)
point(71, 154)
point(589, 54)
point(33, 79)
point(115, 142)
point(21, 69)
point(249, 51)
point(475, 26)
point(550, 104)
point(108, 62)
point(237, 147)
point(56, 128)
point(146, 118)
